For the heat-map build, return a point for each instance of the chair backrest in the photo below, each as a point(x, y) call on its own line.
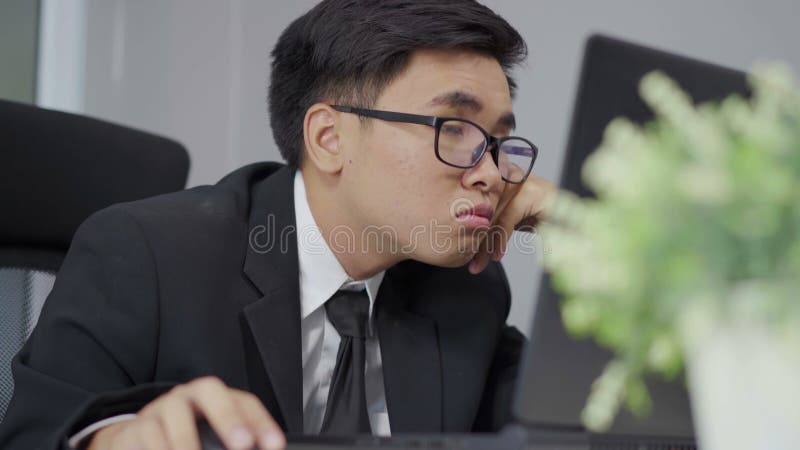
point(56, 169)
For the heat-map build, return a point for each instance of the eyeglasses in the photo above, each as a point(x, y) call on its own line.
point(462, 143)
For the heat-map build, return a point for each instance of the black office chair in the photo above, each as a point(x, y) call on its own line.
point(56, 169)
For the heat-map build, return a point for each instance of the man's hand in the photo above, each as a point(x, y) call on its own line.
point(170, 421)
point(522, 207)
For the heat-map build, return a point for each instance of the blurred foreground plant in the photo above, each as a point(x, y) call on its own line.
point(694, 210)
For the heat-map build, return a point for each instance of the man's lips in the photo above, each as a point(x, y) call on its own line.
point(476, 216)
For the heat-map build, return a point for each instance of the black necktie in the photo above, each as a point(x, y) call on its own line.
point(346, 411)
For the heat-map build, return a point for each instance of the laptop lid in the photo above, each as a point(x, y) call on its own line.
point(558, 370)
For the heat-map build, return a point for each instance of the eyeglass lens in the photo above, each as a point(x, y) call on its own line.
point(462, 143)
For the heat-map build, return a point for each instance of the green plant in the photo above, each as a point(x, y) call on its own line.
point(690, 207)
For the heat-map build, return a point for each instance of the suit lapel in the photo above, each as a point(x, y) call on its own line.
point(411, 361)
point(271, 265)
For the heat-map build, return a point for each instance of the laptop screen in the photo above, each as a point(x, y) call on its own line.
point(559, 370)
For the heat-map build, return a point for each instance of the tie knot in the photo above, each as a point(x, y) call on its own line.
point(348, 311)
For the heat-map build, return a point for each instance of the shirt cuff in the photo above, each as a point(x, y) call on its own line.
point(76, 439)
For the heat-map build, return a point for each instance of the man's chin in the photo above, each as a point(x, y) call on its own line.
point(451, 261)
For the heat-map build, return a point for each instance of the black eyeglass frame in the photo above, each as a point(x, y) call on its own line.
point(436, 122)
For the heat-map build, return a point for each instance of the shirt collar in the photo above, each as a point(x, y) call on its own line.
point(321, 275)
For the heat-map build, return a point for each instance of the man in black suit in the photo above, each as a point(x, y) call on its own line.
point(354, 290)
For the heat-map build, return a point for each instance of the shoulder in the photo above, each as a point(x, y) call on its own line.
point(198, 224)
point(230, 198)
point(226, 202)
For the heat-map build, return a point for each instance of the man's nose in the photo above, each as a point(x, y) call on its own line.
point(485, 175)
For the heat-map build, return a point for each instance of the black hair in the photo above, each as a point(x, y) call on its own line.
point(349, 50)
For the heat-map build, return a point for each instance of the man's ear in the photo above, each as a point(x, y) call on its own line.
point(322, 139)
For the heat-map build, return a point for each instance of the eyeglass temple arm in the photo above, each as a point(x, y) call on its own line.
point(389, 116)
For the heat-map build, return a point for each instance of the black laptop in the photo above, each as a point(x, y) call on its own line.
point(558, 371)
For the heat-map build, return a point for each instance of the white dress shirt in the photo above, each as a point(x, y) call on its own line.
point(321, 276)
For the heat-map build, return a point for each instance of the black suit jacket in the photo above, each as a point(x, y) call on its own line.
point(205, 282)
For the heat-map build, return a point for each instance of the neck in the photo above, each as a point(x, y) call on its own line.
point(360, 257)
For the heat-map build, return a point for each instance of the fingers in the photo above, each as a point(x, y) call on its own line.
point(181, 426)
point(510, 192)
point(214, 402)
point(267, 432)
point(543, 193)
point(521, 206)
point(481, 258)
point(140, 434)
point(239, 418)
point(150, 434)
point(514, 215)
point(170, 422)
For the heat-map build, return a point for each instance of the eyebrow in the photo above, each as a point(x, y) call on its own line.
point(461, 100)
point(458, 99)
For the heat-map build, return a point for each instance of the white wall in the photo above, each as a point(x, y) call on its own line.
point(197, 70)
point(18, 44)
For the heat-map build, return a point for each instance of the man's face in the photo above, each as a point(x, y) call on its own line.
point(392, 179)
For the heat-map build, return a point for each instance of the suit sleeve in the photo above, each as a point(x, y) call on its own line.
point(93, 350)
point(498, 396)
